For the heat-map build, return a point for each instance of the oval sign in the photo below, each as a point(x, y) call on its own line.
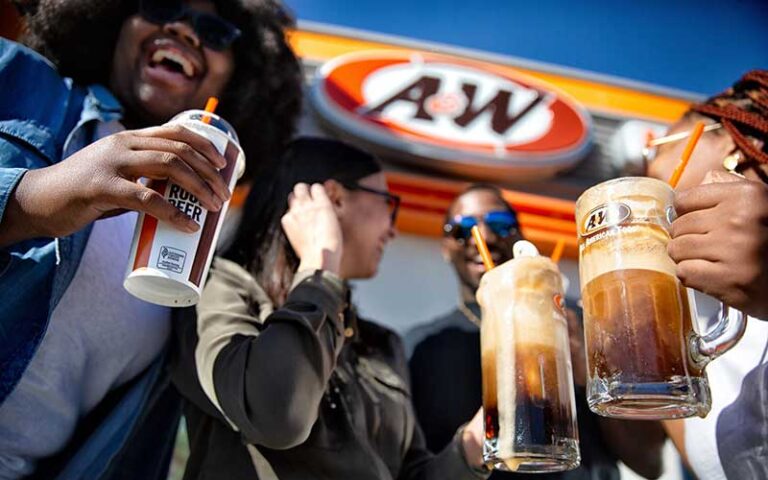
point(451, 113)
point(604, 216)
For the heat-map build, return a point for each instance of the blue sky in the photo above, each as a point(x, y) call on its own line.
point(697, 46)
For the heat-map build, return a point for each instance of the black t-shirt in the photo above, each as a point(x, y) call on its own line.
point(446, 383)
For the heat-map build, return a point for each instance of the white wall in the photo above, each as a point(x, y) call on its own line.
point(414, 285)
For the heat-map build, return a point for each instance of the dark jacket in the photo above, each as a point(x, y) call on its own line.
point(43, 118)
point(307, 391)
point(445, 361)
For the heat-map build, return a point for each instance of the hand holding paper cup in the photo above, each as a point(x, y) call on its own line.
point(167, 266)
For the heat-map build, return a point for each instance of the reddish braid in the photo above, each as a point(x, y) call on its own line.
point(743, 111)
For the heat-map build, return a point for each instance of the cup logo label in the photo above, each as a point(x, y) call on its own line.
point(604, 216)
point(559, 302)
point(171, 259)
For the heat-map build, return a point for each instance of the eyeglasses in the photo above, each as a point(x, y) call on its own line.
point(214, 32)
point(651, 147)
point(502, 223)
point(393, 201)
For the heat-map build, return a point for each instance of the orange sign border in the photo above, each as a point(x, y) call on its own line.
point(337, 93)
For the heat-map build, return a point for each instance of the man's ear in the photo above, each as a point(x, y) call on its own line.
point(445, 249)
point(336, 193)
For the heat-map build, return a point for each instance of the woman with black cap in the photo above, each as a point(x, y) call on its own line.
point(283, 379)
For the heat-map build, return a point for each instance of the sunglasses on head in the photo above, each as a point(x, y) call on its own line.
point(393, 201)
point(213, 31)
point(502, 223)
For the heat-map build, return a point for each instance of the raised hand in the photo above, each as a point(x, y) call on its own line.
point(472, 440)
point(102, 179)
point(313, 228)
point(720, 241)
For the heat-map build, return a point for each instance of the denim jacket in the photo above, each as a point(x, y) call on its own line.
point(43, 118)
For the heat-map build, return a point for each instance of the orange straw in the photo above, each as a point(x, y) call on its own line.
point(695, 135)
point(210, 107)
point(558, 251)
point(482, 247)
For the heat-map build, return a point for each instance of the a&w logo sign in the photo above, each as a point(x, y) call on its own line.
point(452, 114)
point(604, 216)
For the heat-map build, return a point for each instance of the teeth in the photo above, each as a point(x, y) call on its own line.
point(186, 65)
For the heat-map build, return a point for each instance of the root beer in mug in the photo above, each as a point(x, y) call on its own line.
point(167, 266)
point(528, 396)
point(644, 356)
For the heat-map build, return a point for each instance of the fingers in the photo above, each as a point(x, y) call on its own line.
point(694, 246)
point(174, 153)
point(696, 222)
point(744, 194)
point(134, 196)
point(173, 168)
point(301, 193)
point(184, 135)
point(698, 274)
point(701, 197)
point(319, 195)
point(306, 193)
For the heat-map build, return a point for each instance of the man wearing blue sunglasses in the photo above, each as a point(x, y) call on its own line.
point(445, 354)
point(499, 227)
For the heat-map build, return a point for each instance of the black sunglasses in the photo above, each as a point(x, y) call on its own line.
point(502, 223)
point(393, 201)
point(214, 32)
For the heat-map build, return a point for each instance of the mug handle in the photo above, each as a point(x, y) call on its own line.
point(726, 334)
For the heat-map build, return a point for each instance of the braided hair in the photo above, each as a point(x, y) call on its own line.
point(743, 112)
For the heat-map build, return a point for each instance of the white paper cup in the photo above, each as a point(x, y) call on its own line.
point(167, 266)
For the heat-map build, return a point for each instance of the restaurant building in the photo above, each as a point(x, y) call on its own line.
point(442, 118)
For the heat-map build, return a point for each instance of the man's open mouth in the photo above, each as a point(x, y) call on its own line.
point(174, 61)
point(171, 61)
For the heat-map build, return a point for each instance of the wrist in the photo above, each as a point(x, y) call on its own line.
point(326, 259)
point(21, 218)
point(472, 449)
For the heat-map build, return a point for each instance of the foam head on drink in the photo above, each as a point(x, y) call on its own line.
point(528, 399)
point(167, 266)
point(638, 316)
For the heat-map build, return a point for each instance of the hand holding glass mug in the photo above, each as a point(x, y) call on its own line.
point(720, 239)
point(644, 357)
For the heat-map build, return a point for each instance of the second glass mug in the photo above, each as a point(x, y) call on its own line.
point(645, 357)
point(528, 396)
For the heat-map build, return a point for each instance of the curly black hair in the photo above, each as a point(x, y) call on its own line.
point(263, 99)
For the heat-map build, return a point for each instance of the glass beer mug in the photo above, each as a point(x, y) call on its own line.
point(645, 358)
point(528, 397)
